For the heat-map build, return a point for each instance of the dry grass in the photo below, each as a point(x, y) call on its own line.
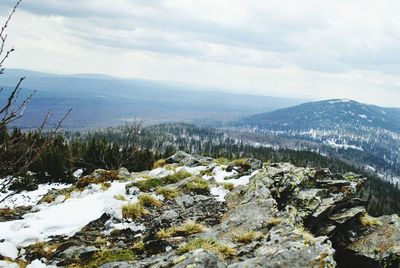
point(134, 211)
point(160, 163)
point(198, 185)
point(208, 245)
point(148, 200)
point(246, 237)
point(120, 197)
point(168, 193)
point(369, 221)
point(271, 222)
point(186, 229)
point(229, 186)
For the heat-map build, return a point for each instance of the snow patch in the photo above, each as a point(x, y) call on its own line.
point(63, 219)
point(8, 250)
point(219, 192)
point(29, 198)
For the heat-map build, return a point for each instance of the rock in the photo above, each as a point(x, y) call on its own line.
point(188, 160)
point(185, 200)
point(200, 259)
point(254, 164)
point(347, 214)
point(168, 215)
point(130, 189)
point(124, 173)
point(380, 247)
point(81, 252)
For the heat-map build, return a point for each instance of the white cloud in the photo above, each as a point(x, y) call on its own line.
point(307, 48)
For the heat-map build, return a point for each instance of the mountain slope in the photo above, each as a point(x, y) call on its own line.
point(326, 115)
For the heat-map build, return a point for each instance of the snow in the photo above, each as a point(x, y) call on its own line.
point(78, 173)
point(242, 180)
point(363, 116)
point(38, 264)
point(7, 264)
point(66, 218)
point(220, 174)
point(340, 101)
point(29, 198)
point(8, 250)
point(345, 146)
point(195, 171)
point(219, 192)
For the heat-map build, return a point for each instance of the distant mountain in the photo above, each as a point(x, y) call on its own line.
point(326, 115)
point(100, 100)
point(364, 135)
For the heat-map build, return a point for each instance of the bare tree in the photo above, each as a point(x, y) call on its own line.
point(10, 111)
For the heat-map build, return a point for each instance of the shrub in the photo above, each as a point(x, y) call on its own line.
point(207, 244)
point(48, 198)
point(27, 183)
point(168, 193)
point(134, 211)
point(148, 200)
point(199, 186)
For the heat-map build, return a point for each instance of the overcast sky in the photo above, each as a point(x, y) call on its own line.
point(306, 48)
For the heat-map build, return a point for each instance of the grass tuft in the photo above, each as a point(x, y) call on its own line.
point(198, 185)
point(207, 244)
point(134, 211)
point(369, 221)
point(120, 197)
point(168, 193)
point(148, 200)
point(247, 237)
point(186, 229)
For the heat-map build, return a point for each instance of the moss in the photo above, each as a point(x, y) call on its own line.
point(369, 221)
point(160, 163)
point(188, 228)
point(222, 161)
point(198, 185)
point(229, 186)
point(147, 185)
point(148, 200)
point(246, 237)
point(120, 197)
point(134, 211)
point(103, 257)
point(178, 176)
point(243, 164)
point(168, 193)
point(207, 244)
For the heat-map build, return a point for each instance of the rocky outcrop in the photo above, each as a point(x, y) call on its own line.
point(280, 216)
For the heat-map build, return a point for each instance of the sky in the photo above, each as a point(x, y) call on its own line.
point(311, 49)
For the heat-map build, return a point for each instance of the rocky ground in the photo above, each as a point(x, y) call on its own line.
point(200, 212)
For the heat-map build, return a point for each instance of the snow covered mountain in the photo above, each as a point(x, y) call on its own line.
point(365, 135)
point(327, 115)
